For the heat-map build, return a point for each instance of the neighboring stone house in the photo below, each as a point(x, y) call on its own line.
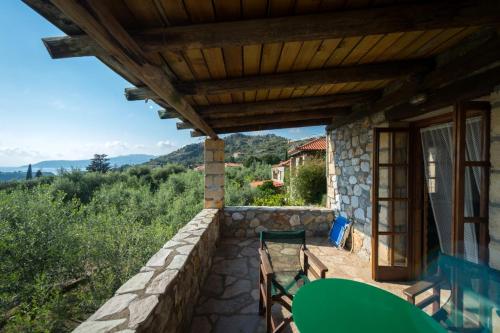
point(396, 181)
point(314, 149)
point(279, 170)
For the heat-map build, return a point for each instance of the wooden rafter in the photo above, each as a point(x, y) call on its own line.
point(339, 24)
point(282, 117)
point(285, 106)
point(269, 126)
point(99, 23)
point(345, 74)
point(252, 121)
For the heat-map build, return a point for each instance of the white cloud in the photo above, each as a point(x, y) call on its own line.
point(14, 156)
point(295, 130)
point(166, 144)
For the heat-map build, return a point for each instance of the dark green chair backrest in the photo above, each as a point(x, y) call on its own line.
point(283, 249)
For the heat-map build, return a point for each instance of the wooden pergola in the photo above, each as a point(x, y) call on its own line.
point(225, 66)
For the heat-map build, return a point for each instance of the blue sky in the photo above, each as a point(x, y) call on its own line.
point(73, 108)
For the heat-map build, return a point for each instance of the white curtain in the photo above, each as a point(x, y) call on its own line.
point(437, 144)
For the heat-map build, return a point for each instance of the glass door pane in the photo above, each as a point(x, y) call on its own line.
point(390, 194)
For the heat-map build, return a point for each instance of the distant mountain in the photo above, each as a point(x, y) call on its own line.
point(54, 165)
point(238, 148)
point(17, 175)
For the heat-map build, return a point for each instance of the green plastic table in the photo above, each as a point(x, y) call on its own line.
point(338, 305)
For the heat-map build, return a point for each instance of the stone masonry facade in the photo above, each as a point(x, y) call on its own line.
point(247, 221)
point(162, 296)
point(214, 173)
point(349, 177)
point(494, 213)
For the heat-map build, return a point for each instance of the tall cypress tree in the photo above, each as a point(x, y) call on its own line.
point(29, 174)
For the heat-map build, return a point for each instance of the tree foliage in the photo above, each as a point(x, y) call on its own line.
point(309, 184)
point(97, 229)
point(29, 173)
point(100, 163)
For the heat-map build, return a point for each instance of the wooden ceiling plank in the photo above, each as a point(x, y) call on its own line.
point(179, 65)
point(411, 50)
point(324, 52)
point(307, 6)
point(254, 8)
point(118, 42)
point(403, 42)
point(270, 56)
point(227, 10)
point(306, 54)
point(200, 11)
point(351, 23)
point(281, 7)
point(363, 47)
point(386, 42)
point(342, 51)
point(455, 39)
point(175, 11)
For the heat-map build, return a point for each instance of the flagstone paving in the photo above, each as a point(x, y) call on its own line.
point(230, 297)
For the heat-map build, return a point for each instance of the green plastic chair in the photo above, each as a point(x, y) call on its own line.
point(285, 266)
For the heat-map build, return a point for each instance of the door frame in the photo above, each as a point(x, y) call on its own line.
point(388, 273)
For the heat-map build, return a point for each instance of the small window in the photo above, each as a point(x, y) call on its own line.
point(431, 170)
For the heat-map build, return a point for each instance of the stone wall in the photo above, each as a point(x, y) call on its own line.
point(161, 297)
point(494, 221)
point(249, 221)
point(349, 177)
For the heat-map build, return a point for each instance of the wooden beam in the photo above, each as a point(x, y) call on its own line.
point(183, 125)
point(269, 126)
point(168, 114)
point(339, 24)
point(139, 93)
point(466, 89)
point(345, 74)
point(303, 115)
point(97, 21)
point(287, 106)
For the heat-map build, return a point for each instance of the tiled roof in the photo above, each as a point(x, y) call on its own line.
point(316, 144)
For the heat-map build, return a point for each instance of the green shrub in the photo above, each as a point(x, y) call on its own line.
point(310, 182)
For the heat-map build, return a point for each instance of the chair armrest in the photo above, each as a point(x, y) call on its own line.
point(422, 286)
point(323, 269)
point(265, 264)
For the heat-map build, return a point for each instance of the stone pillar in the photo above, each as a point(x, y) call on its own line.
point(494, 221)
point(214, 173)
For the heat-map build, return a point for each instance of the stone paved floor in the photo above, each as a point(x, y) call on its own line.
point(229, 299)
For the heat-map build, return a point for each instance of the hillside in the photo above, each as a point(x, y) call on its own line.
point(54, 165)
point(238, 148)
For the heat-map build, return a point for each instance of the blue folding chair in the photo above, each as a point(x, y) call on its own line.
point(339, 229)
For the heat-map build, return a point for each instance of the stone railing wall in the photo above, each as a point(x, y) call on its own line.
point(248, 221)
point(161, 297)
